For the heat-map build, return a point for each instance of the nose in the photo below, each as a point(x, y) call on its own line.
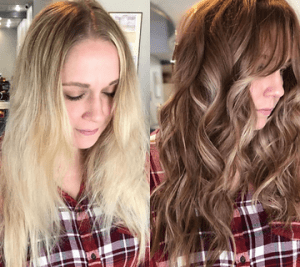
point(93, 110)
point(275, 88)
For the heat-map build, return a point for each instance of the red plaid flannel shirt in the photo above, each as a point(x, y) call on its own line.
point(82, 245)
point(258, 243)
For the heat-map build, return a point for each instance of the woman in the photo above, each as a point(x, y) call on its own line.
point(226, 189)
point(73, 185)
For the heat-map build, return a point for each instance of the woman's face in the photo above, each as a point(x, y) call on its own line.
point(89, 77)
point(265, 93)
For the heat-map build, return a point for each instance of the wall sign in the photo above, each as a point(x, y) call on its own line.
point(131, 23)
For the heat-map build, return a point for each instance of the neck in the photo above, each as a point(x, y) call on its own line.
point(73, 178)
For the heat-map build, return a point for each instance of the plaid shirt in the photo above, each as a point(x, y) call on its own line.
point(82, 245)
point(258, 243)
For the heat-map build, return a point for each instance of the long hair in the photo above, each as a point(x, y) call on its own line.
point(208, 145)
point(38, 147)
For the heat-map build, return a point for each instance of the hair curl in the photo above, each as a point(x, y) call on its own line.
point(38, 137)
point(208, 144)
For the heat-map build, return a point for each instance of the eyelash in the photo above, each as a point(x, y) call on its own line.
point(260, 67)
point(76, 98)
point(283, 69)
point(110, 94)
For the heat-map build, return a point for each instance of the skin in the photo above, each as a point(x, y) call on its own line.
point(89, 77)
point(265, 93)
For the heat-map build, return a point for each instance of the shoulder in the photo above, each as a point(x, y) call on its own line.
point(156, 170)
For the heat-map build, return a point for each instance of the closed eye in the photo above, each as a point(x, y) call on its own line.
point(74, 98)
point(110, 94)
point(284, 68)
point(260, 68)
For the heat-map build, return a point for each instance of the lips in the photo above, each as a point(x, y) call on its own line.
point(88, 132)
point(265, 112)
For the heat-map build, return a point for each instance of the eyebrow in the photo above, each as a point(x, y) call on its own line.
point(86, 85)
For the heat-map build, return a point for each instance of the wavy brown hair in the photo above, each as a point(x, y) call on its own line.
point(208, 144)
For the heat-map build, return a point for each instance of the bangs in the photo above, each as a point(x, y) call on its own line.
point(273, 42)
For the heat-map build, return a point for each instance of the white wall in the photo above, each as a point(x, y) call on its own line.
point(23, 27)
point(296, 5)
point(38, 5)
point(156, 90)
point(8, 44)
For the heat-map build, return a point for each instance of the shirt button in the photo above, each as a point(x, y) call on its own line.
point(94, 256)
point(242, 259)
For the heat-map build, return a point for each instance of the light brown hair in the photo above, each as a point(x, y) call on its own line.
point(208, 144)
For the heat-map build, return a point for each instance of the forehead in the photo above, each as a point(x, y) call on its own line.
point(91, 60)
point(95, 46)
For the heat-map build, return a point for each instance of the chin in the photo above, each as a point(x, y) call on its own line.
point(260, 124)
point(85, 145)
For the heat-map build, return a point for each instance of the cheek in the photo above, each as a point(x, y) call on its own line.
point(73, 112)
point(107, 106)
point(254, 92)
point(110, 108)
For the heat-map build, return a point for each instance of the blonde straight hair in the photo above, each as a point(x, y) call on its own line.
point(38, 138)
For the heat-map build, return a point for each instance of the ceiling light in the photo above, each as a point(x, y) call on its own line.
point(0, 18)
point(18, 8)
